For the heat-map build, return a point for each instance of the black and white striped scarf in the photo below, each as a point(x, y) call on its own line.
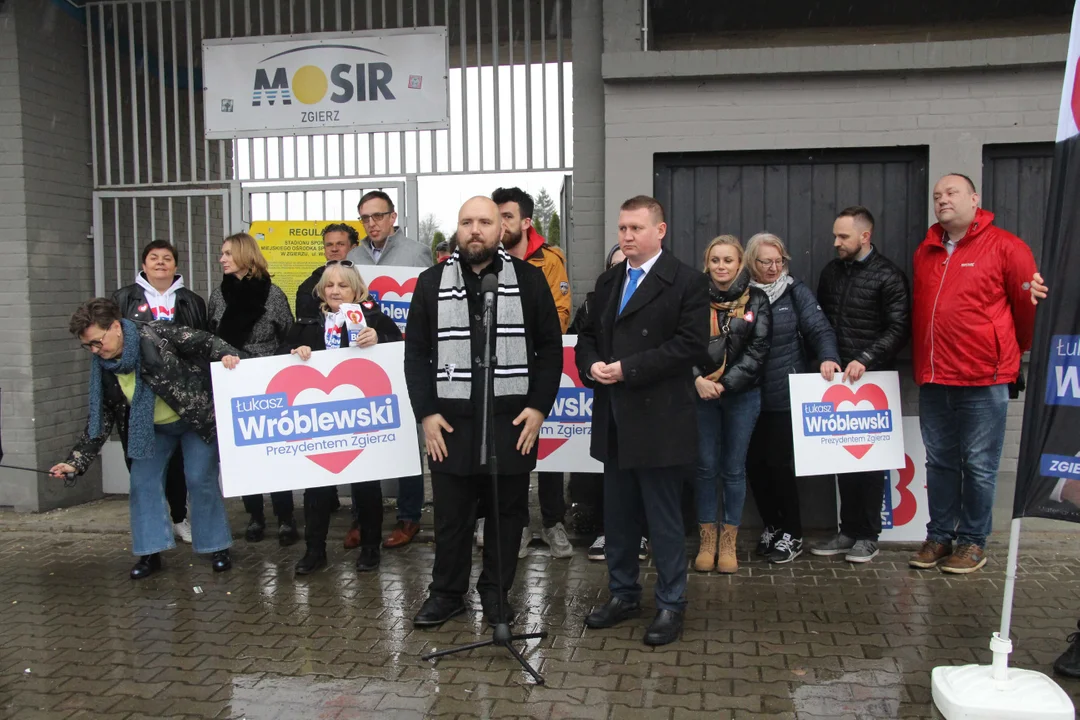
point(454, 366)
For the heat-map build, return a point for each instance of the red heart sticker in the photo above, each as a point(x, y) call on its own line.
point(362, 374)
point(872, 394)
point(384, 284)
point(546, 446)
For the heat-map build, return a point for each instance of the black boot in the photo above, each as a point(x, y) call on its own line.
point(255, 529)
point(221, 561)
point(313, 559)
point(146, 566)
point(369, 558)
point(286, 532)
point(1069, 662)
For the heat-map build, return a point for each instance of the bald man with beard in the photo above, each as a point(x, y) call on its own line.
point(444, 347)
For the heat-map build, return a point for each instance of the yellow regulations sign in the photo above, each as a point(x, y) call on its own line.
point(293, 249)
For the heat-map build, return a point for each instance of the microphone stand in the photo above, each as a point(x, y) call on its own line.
point(501, 636)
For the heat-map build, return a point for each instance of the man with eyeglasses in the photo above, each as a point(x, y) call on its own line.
point(338, 240)
point(386, 246)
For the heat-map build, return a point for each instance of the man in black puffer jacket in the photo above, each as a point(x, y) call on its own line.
point(867, 300)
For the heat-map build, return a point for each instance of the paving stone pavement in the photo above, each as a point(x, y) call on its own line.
point(816, 639)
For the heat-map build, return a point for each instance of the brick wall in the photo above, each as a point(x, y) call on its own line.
point(47, 266)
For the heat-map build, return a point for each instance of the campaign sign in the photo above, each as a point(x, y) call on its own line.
point(841, 428)
point(341, 417)
point(1063, 373)
point(563, 445)
point(392, 288)
point(905, 510)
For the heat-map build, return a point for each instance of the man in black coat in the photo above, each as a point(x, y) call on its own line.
point(444, 347)
point(867, 300)
point(648, 327)
point(338, 239)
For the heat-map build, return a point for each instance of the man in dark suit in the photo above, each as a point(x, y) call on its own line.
point(444, 344)
point(649, 326)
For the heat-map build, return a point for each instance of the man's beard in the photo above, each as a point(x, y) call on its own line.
point(510, 239)
point(477, 257)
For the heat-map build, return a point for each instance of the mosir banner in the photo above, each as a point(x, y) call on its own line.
point(842, 428)
point(342, 417)
point(567, 431)
point(326, 82)
point(391, 287)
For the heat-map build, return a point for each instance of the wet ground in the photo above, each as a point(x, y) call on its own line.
point(817, 639)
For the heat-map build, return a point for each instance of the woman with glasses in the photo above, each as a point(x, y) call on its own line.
point(341, 283)
point(728, 381)
point(801, 337)
point(251, 313)
point(151, 382)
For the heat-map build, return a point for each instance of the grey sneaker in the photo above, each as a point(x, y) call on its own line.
point(838, 545)
point(479, 534)
point(863, 551)
point(526, 538)
point(557, 541)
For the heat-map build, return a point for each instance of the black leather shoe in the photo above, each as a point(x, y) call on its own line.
point(221, 561)
point(437, 610)
point(665, 628)
point(369, 558)
point(491, 611)
point(286, 533)
point(613, 613)
point(255, 530)
point(1068, 665)
point(313, 559)
point(146, 566)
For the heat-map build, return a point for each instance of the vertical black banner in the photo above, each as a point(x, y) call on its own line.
point(1048, 477)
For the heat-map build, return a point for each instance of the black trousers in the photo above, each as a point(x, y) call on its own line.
point(455, 500)
point(552, 497)
point(282, 503)
point(367, 509)
point(770, 470)
point(175, 485)
point(861, 496)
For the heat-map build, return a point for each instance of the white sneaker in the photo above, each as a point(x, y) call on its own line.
point(643, 550)
point(557, 541)
point(526, 538)
point(596, 550)
point(479, 534)
point(183, 531)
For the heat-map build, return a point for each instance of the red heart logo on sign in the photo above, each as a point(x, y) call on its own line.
point(384, 284)
point(867, 393)
point(364, 375)
point(545, 447)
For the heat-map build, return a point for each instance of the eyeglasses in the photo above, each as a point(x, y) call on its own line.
point(771, 263)
point(96, 344)
point(377, 217)
point(342, 263)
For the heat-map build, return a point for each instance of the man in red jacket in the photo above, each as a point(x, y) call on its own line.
point(972, 319)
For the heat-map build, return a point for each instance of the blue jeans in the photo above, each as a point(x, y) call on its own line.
point(151, 524)
point(410, 498)
point(963, 429)
point(655, 495)
point(724, 430)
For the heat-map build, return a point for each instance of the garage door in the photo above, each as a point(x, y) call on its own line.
point(795, 195)
point(1016, 184)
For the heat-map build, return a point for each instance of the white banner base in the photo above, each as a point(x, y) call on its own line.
point(970, 692)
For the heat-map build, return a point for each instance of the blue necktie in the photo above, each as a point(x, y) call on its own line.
point(631, 285)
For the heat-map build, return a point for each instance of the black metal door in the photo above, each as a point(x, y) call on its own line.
point(1016, 184)
point(795, 195)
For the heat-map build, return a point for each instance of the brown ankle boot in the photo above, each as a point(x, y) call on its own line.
point(706, 558)
point(728, 561)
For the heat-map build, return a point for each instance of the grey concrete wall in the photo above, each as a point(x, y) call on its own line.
point(590, 242)
point(45, 216)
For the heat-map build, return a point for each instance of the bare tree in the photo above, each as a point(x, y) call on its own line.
point(429, 225)
point(543, 206)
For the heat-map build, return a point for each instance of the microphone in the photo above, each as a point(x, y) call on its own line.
point(489, 287)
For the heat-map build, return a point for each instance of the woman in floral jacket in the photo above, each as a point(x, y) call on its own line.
point(152, 382)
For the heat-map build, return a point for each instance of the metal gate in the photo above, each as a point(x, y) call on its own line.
point(156, 176)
